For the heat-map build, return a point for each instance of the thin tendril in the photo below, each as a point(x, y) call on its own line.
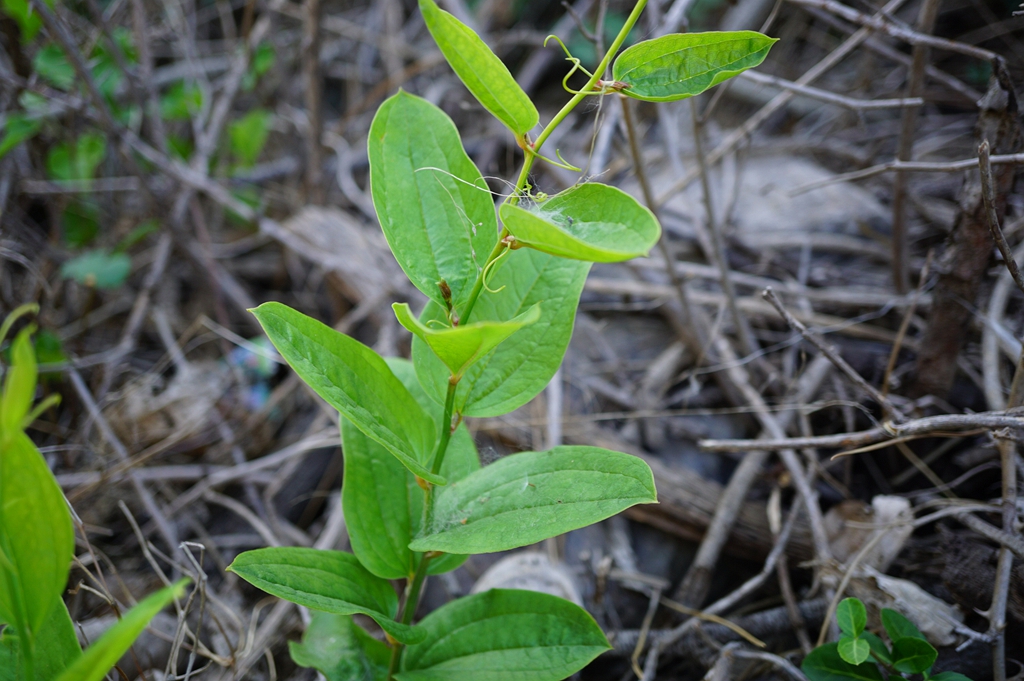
point(490, 267)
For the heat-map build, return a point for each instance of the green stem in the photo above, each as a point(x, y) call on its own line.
point(412, 598)
point(442, 449)
point(529, 158)
point(578, 97)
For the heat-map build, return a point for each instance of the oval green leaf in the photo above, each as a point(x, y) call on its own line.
point(591, 221)
point(480, 70)
point(519, 368)
point(851, 616)
point(913, 655)
point(357, 382)
point(460, 346)
point(682, 65)
point(824, 664)
point(340, 649)
point(102, 655)
point(433, 205)
point(37, 540)
point(853, 649)
point(526, 497)
point(898, 626)
point(382, 503)
point(504, 634)
point(329, 581)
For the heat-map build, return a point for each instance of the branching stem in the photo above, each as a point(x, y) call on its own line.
point(532, 153)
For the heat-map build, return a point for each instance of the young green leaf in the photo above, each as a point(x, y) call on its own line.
point(433, 205)
point(56, 648)
point(519, 368)
point(249, 135)
point(330, 581)
point(354, 379)
point(25, 16)
point(460, 346)
point(340, 649)
point(682, 65)
point(591, 221)
point(526, 497)
point(18, 390)
point(36, 536)
point(825, 664)
point(17, 129)
point(102, 655)
point(480, 70)
point(898, 626)
point(912, 655)
point(181, 102)
point(98, 269)
point(53, 67)
point(878, 647)
point(78, 161)
point(504, 634)
point(383, 505)
point(853, 649)
point(852, 617)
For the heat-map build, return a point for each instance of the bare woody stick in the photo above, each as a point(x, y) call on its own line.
point(833, 356)
point(988, 194)
point(915, 85)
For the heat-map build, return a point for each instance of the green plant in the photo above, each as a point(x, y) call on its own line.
point(37, 542)
point(498, 321)
point(858, 653)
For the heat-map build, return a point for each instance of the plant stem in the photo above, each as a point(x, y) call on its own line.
point(442, 449)
point(410, 600)
point(531, 154)
point(578, 97)
point(415, 585)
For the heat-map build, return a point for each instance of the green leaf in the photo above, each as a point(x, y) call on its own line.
point(913, 655)
point(504, 634)
point(330, 581)
point(382, 503)
point(590, 221)
point(27, 19)
point(56, 648)
point(433, 205)
point(519, 368)
point(852, 616)
point(263, 58)
point(19, 386)
point(248, 136)
point(949, 676)
point(898, 626)
point(17, 129)
point(78, 161)
point(102, 655)
point(53, 67)
point(341, 650)
point(98, 269)
point(354, 379)
point(682, 65)
point(36, 536)
point(459, 347)
point(181, 102)
point(878, 647)
point(526, 497)
point(853, 649)
point(824, 664)
point(80, 221)
point(483, 74)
